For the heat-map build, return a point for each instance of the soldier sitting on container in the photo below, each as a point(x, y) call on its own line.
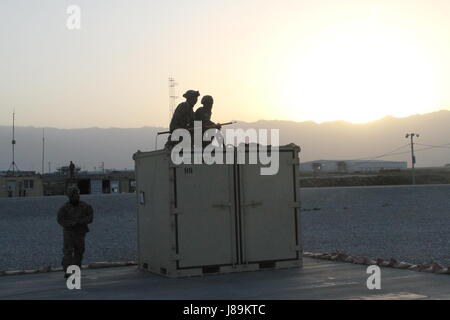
point(74, 217)
point(183, 117)
point(204, 113)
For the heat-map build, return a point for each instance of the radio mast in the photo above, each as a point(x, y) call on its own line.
point(172, 97)
point(43, 151)
point(13, 167)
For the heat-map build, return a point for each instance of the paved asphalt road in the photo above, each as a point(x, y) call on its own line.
point(403, 222)
point(318, 279)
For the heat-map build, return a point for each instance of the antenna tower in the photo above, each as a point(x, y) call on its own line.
point(13, 167)
point(172, 96)
point(43, 151)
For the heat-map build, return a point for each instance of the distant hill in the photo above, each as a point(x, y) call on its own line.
point(331, 140)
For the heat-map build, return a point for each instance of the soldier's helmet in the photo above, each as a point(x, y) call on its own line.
point(191, 94)
point(207, 99)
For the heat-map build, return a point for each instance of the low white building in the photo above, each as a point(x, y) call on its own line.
point(351, 166)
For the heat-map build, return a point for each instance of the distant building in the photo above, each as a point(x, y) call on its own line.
point(351, 166)
point(90, 182)
point(21, 184)
point(64, 171)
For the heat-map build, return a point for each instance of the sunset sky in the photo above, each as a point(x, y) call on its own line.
point(286, 59)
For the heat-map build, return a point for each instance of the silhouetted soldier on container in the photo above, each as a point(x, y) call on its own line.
point(74, 217)
point(204, 113)
point(183, 117)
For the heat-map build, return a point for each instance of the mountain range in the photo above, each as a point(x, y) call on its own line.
point(337, 140)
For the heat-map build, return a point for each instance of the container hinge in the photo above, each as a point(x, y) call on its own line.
point(176, 257)
point(175, 211)
point(296, 248)
point(295, 204)
point(294, 161)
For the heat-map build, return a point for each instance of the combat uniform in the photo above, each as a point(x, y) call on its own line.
point(71, 170)
point(74, 219)
point(204, 114)
point(183, 117)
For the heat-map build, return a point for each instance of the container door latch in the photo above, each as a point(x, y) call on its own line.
point(252, 204)
point(222, 205)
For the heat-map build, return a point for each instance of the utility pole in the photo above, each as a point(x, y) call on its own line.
point(413, 157)
point(43, 151)
point(13, 143)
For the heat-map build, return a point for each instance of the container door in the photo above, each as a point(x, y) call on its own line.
point(268, 213)
point(205, 215)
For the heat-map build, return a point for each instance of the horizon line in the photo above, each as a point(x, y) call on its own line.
point(247, 122)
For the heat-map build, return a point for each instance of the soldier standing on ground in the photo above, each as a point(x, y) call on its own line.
point(74, 217)
point(183, 117)
point(71, 170)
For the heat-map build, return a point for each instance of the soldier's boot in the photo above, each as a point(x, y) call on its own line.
point(67, 261)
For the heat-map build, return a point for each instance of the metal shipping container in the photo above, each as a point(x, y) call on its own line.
point(196, 219)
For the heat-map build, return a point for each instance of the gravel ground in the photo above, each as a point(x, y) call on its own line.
point(409, 223)
point(406, 223)
point(30, 236)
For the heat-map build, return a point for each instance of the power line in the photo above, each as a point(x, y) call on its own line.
point(446, 146)
point(396, 153)
point(390, 153)
point(382, 155)
point(393, 153)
